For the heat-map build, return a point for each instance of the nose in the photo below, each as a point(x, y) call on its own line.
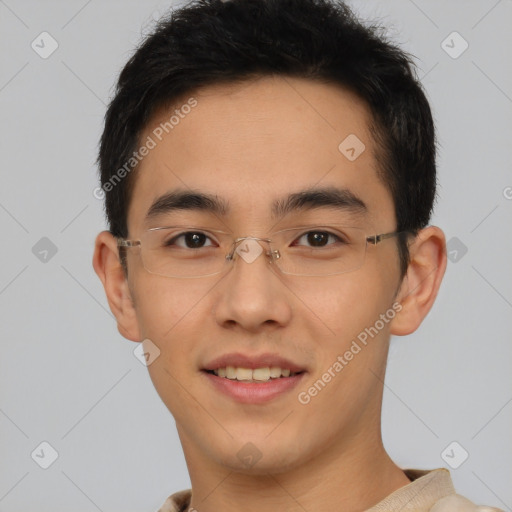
point(252, 295)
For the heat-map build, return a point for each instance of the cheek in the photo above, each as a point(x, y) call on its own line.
point(358, 311)
point(171, 313)
point(165, 306)
point(343, 306)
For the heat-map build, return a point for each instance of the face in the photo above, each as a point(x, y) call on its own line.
point(252, 146)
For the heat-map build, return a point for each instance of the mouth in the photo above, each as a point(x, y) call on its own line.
point(256, 375)
point(253, 380)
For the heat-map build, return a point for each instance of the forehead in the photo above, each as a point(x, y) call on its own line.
point(252, 143)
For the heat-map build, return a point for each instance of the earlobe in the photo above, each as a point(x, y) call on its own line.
point(422, 281)
point(110, 271)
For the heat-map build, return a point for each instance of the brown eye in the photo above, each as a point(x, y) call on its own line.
point(189, 240)
point(319, 238)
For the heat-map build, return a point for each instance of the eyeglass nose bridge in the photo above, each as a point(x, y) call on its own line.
point(271, 254)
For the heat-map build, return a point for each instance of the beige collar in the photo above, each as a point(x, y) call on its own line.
point(425, 489)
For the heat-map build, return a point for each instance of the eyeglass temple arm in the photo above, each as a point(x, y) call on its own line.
point(375, 239)
point(128, 243)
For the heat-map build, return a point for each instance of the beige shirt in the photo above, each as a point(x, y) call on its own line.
point(429, 491)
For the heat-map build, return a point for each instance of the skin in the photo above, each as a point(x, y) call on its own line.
point(249, 144)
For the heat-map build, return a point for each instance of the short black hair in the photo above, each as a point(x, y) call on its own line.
point(209, 42)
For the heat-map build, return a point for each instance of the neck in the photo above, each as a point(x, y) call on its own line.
point(353, 475)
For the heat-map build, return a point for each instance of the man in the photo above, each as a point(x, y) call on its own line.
point(269, 172)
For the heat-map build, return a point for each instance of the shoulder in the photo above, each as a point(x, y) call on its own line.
point(177, 502)
point(457, 503)
point(428, 491)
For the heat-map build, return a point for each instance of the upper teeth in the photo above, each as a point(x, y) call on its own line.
point(261, 374)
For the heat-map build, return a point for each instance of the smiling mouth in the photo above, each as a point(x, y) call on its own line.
point(264, 374)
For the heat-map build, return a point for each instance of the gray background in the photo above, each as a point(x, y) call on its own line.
point(67, 377)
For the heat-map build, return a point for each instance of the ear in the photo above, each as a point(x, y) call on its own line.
point(107, 265)
point(421, 283)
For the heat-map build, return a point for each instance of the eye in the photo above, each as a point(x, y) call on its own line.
point(320, 238)
point(189, 240)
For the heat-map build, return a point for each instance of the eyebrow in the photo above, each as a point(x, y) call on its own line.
point(325, 197)
point(340, 199)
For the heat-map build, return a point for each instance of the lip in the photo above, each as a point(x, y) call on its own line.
point(252, 362)
point(253, 392)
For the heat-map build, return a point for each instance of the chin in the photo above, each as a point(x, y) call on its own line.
point(264, 465)
point(259, 456)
